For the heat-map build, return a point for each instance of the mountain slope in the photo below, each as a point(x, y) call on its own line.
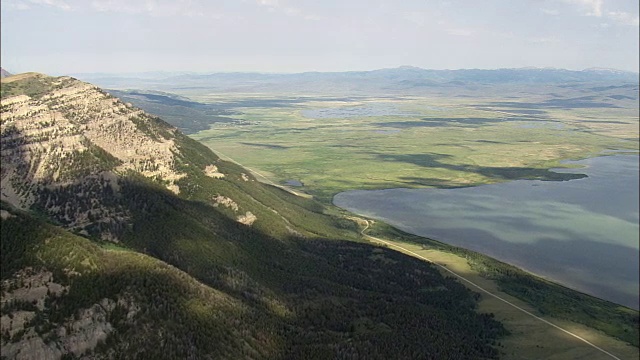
point(82, 299)
point(4, 73)
point(209, 263)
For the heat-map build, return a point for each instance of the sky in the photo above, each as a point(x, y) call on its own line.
point(60, 37)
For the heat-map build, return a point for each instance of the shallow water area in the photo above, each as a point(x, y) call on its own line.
point(581, 233)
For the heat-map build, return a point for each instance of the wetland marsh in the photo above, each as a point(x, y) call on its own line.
point(333, 146)
point(448, 166)
point(545, 221)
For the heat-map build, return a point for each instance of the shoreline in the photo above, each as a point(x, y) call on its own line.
point(494, 258)
point(616, 283)
point(529, 328)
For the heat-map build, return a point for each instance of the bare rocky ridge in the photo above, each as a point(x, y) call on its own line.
point(75, 139)
point(76, 116)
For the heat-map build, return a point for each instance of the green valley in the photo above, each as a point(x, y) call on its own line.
point(319, 180)
point(324, 144)
point(120, 230)
point(440, 143)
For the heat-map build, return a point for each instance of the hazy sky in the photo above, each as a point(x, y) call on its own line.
point(74, 36)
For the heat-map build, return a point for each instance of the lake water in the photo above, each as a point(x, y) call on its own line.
point(581, 233)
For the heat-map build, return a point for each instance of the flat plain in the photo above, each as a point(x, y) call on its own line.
point(331, 145)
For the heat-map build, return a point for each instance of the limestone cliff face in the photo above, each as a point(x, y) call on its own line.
point(62, 138)
point(27, 296)
point(68, 148)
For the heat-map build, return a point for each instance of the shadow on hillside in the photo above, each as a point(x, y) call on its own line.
point(333, 289)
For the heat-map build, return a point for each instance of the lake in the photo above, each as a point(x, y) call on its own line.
point(580, 233)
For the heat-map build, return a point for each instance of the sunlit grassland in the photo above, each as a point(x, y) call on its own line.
point(436, 142)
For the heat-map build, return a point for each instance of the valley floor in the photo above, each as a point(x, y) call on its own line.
point(326, 145)
point(533, 335)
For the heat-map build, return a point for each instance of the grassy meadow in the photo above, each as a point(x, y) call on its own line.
point(332, 145)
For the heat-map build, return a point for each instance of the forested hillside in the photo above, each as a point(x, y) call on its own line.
point(121, 237)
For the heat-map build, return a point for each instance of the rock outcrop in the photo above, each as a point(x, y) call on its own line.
point(64, 139)
point(26, 297)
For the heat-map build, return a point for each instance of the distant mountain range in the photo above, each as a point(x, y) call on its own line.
point(4, 73)
point(404, 78)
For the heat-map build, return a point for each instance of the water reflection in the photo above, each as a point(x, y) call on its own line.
point(582, 233)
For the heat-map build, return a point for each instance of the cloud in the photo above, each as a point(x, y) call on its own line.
point(117, 7)
point(149, 7)
point(552, 12)
point(272, 3)
point(460, 31)
point(624, 18)
point(278, 6)
point(544, 40)
point(28, 4)
point(158, 8)
point(417, 17)
point(17, 6)
point(53, 3)
point(593, 7)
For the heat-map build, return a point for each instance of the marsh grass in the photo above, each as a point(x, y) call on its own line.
point(447, 143)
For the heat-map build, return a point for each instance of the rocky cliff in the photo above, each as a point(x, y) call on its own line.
point(123, 238)
point(69, 139)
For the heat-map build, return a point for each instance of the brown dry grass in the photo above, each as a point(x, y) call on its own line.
point(22, 76)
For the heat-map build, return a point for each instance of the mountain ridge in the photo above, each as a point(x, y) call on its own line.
point(113, 218)
point(4, 73)
point(400, 80)
point(161, 74)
